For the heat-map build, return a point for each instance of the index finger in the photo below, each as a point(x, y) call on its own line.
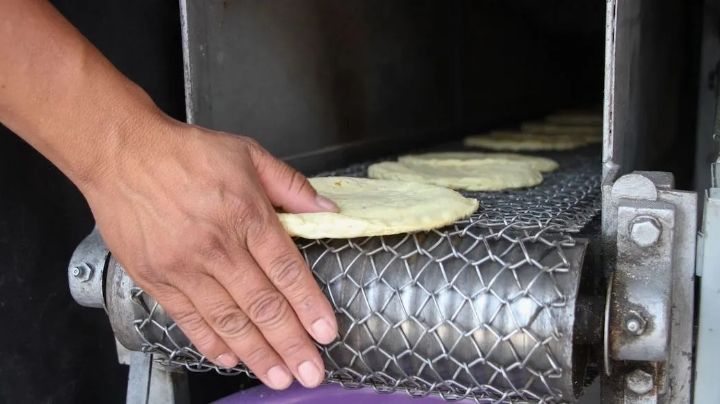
point(281, 261)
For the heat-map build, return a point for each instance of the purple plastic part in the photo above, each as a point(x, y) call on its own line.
point(324, 394)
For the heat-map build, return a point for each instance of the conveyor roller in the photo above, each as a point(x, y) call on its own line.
point(489, 308)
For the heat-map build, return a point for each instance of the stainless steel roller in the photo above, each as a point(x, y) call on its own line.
point(489, 308)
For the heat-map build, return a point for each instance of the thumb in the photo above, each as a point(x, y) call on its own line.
point(286, 187)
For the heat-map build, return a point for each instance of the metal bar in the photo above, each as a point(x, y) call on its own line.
point(139, 378)
point(707, 388)
point(679, 368)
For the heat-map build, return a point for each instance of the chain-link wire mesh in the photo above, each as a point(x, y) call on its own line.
point(483, 309)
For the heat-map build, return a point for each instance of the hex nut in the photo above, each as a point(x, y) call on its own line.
point(645, 231)
point(83, 272)
point(639, 381)
point(634, 323)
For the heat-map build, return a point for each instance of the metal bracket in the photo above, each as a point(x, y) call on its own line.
point(640, 305)
point(649, 233)
point(86, 271)
point(148, 381)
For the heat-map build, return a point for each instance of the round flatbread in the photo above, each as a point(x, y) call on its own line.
point(370, 207)
point(519, 141)
point(464, 159)
point(589, 133)
point(576, 118)
point(491, 176)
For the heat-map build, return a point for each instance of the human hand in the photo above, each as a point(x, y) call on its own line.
point(189, 214)
point(187, 211)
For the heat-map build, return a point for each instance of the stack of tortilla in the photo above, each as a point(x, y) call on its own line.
point(560, 131)
point(417, 193)
point(413, 193)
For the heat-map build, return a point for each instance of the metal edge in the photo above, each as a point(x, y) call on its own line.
point(707, 389)
point(606, 329)
point(680, 358)
point(187, 67)
point(609, 92)
point(121, 312)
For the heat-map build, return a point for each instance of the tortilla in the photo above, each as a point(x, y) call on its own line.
point(589, 133)
point(370, 207)
point(541, 164)
point(519, 141)
point(576, 118)
point(490, 176)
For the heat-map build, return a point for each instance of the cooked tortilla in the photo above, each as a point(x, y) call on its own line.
point(490, 176)
point(519, 141)
point(371, 207)
point(465, 159)
point(589, 133)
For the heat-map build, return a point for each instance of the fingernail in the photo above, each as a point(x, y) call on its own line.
point(323, 331)
point(310, 374)
point(278, 377)
point(326, 204)
point(227, 360)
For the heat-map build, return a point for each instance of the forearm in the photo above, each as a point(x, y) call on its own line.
point(62, 96)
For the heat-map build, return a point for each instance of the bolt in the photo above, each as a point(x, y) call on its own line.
point(83, 272)
point(634, 323)
point(639, 382)
point(645, 231)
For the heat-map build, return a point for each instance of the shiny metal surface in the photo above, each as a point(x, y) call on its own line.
point(498, 327)
point(86, 271)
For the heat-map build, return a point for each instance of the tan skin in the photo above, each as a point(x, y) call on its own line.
point(189, 212)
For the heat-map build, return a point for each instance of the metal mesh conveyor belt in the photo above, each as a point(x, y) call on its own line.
point(483, 309)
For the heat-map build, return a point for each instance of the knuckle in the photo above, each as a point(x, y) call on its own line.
point(248, 218)
point(250, 142)
point(146, 273)
point(268, 309)
point(297, 182)
point(230, 322)
point(190, 321)
point(207, 343)
point(259, 357)
point(294, 347)
point(211, 248)
point(253, 147)
point(286, 270)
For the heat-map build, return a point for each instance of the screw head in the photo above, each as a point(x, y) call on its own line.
point(639, 382)
point(634, 323)
point(645, 231)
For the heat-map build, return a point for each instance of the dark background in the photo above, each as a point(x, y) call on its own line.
point(321, 82)
point(51, 349)
point(54, 351)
